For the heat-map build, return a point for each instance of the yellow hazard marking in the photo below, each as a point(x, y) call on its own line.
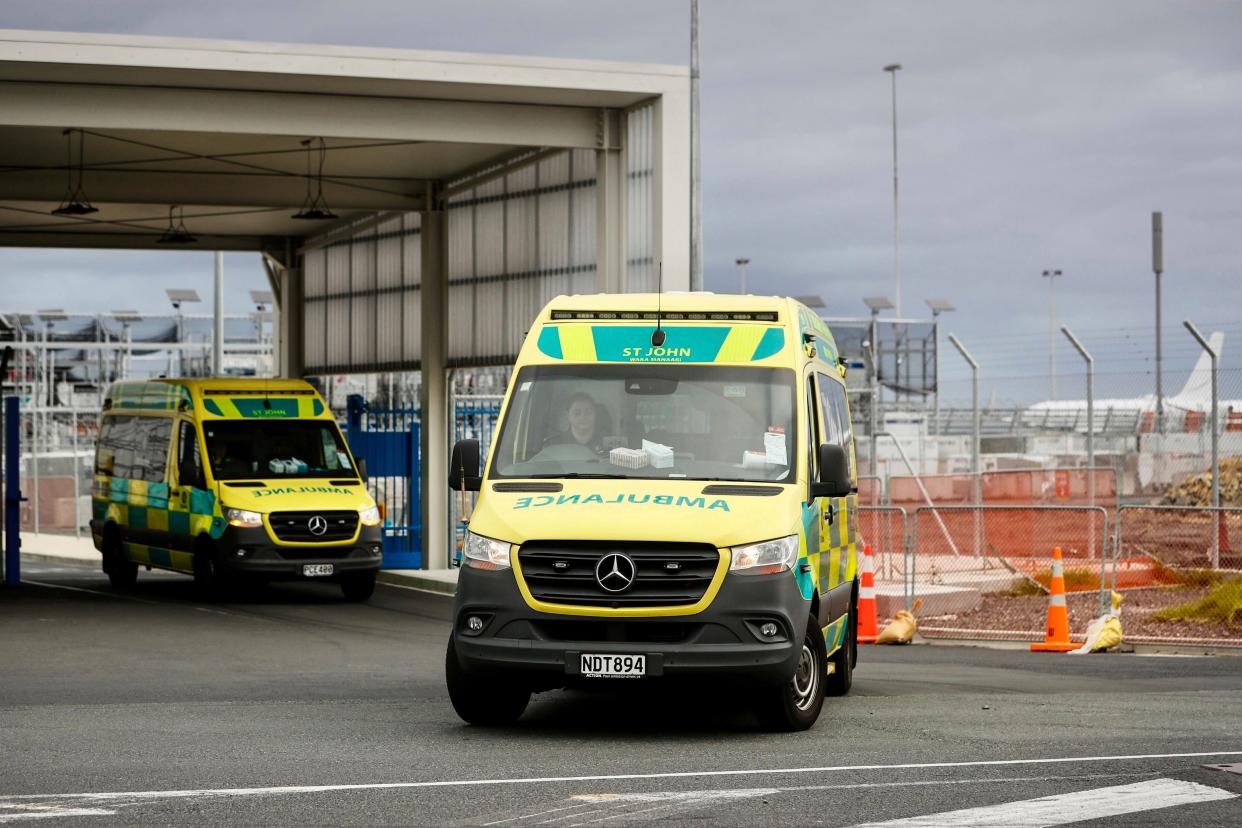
point(577, 342)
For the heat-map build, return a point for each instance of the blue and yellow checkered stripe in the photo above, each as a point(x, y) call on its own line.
point(142, 505)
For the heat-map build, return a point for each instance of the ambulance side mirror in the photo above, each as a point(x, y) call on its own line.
point(834, 473)
point(464, 471)
point(361, 463)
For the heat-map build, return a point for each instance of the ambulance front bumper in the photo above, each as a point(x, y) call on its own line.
point(251, 551)
point(726, 638)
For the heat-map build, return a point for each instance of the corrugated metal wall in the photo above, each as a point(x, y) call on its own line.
point(513, 244)
point(362, 300)
point(640, 218)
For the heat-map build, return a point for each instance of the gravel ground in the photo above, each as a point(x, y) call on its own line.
point(1028, 614)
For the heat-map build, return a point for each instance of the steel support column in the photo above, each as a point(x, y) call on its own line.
point(610, 206)
point(433, 395)
point(670, 191)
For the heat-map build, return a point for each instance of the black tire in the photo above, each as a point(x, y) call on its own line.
point(492, 703)
point(122, 573)
point(210, 577)
point(357, 586)
point(839, 682)
point(795, 704)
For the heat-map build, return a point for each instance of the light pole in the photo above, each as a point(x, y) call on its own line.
point(263, 299)
point(875, 304)
point(1215, 357)
point(1051, 276)
point(938, 306)
point(179, 296)
point(1157, 265)
point(893, 69)
point(217, 339)
point(696, 162)
point(977, 430)
point(741, 266)
point(1086, 355)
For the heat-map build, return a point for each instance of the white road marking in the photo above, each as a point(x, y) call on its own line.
point(670, 802)
point(1099, 803)
point(67, 802)
point(689, 800)
point(8, 813)
point(126, 597)
point(93, 592)
point(608, 777)
point(536, 814)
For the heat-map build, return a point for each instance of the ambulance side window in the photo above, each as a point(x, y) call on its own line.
point(151, 456)
point(836, 412)
point(105, 450)
point(189, 461)
point(812, 430)
point(124, 438)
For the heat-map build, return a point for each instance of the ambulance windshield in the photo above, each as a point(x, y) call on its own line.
point(699, 422)
point(249, 449)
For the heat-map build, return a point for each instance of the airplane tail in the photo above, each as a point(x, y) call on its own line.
point(1199, 385)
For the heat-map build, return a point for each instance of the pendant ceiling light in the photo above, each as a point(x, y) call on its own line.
point(75, 202)
point(314, 207)
point(176, 232)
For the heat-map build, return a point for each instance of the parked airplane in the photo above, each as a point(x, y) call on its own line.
point(1187, 410)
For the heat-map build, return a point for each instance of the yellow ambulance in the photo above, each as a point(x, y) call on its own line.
point(225, 479)
point(670, 492)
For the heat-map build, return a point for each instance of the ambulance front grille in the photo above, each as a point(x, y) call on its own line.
point(665, 574)
point(296, 527)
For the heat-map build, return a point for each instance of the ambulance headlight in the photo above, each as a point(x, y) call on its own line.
point(244, 518)
point(370, 516)
point(765, 558)
point(485, 553)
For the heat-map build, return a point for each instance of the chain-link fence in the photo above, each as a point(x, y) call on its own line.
point(985, 571)
point(1180, 572)
point(885, 530)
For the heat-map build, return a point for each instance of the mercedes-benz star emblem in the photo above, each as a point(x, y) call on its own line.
point(317, 525)
point(615, 572)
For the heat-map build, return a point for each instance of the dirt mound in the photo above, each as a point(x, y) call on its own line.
point(1197, 490)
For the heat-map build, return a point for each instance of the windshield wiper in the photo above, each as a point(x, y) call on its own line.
point(579, 476)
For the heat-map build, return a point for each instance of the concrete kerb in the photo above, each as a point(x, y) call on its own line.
point(437, 581)
point(59, 549)
point(73, 551)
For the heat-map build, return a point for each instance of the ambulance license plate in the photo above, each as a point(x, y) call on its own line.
point(613, 666)
point(313, 570)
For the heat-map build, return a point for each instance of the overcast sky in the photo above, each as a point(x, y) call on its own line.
point(1032, 136)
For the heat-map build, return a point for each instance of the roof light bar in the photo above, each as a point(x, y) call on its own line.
point(677, 316)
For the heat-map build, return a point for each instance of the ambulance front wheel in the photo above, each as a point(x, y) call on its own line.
point(122, 573)
point(483, 701)
point(795, 705)
point(358, 586)
point(211, 578)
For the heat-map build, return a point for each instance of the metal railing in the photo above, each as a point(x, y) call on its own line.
point(984, 571)
point(1180, 570)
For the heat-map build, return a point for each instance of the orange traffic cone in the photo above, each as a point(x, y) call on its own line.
point(1057, 639)
point(868, 625)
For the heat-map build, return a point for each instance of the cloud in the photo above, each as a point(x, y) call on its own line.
point(1032, 136)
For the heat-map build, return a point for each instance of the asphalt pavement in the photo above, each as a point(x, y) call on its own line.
point(289, 706)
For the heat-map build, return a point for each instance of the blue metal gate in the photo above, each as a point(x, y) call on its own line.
point(388, 439)
point(474, 418)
